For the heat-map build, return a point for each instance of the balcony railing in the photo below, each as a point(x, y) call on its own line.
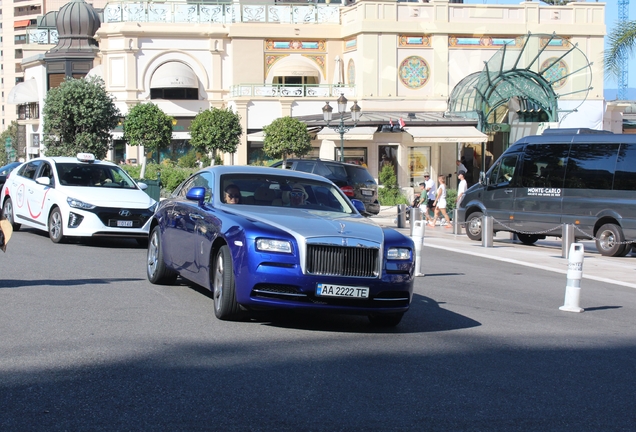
point(28, 111)
point(298, 90)
point(221, 13)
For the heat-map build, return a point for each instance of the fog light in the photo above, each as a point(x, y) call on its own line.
point(74, 220)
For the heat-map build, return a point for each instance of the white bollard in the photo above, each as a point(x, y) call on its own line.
point(418, 238)
point(575, 273)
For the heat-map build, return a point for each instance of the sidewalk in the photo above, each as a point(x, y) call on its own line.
point(545, 254)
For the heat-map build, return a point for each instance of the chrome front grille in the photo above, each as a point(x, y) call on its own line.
point(342, 261)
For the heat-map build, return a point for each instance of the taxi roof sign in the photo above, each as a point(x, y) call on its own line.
point(86, 157)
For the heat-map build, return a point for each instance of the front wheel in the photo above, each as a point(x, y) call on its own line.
point(609, 240)
point(385, 320)
point(473, 226)
point(56, 229)
point(223, 286)
point(158, 272)
point(7, 210)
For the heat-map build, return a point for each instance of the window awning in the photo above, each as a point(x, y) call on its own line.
point(434, 134)
point(294, 69)
point(21, 23)
point(24, 92)
point(174, 75)
point(363, 133)
point(256, 136)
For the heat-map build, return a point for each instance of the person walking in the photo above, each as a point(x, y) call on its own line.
point(440, 203)
point(461, 189)
point(429, 187)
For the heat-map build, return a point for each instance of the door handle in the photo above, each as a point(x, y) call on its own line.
point(195, 216)
point(509, 191)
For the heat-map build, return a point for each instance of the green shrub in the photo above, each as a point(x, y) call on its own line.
point(451, 198)
point(389, 194)
point(171, 176)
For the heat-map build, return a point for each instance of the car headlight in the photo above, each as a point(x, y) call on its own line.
point(399, 253)
point(75, 203)
point(153, 207)
point(271, 245)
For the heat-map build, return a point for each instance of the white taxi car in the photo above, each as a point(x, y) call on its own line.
point(77, 197)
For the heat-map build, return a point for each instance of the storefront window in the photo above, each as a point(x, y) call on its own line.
point(388, 157)
point(419, 163)
point(356, 155)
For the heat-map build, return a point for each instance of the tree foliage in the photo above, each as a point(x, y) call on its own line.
point(78, 117)
point(286, 136)
point(621, 42)
point(10, 132)
point(390, 194)
point(216, 129)
point(147, 125)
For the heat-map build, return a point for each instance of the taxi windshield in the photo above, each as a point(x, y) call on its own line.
point(94, 175)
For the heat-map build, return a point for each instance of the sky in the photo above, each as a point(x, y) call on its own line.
point(611, 17)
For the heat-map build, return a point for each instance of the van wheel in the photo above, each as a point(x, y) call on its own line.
point(609, 239)
point(473, 226)
point(528, 239)
point(628, 249)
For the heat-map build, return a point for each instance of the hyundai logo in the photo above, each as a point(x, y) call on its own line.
point(124, 213)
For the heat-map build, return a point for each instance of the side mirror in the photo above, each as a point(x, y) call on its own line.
point(196, 194)
point(143, 186)
point(482, 178)
point(45, 181)
point(359, 205)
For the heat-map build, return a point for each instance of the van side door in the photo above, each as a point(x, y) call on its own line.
point(499, 194)
point(539, 198)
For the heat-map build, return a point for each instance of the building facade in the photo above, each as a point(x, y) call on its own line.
point(456, 81)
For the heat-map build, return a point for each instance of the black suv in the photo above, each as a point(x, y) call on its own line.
point(354, 180)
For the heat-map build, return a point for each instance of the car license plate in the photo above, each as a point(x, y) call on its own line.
point(126, 224)
point(329, 290)
point(367, 192)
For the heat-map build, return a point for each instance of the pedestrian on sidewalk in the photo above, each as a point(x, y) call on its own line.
point(429, 187)
point(440, 204)
point(461, 189)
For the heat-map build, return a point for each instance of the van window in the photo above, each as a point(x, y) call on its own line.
point(625, 178)
point(544, 165)
point(591, 166)
point(503, 172)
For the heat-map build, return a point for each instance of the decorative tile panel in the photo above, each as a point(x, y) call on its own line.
point(414, 72)
point(414, 41)
point(561, 42)
point(295, 45)
point(350, 44)
point(351, 72)
point(485, 42)
point(553, 70)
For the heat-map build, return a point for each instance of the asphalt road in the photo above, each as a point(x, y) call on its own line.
point(88, 344)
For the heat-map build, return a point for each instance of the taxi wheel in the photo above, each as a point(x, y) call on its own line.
point(385, 320)
point(56, 232)
point(223, 287)
point(7, 210)
point(158, 272)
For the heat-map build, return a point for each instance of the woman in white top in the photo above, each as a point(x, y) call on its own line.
point(440, 203)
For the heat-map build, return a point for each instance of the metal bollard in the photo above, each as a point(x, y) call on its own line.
point(417, 235)
point(457, 227)
point(401, 216)
point(486, 231)
point(567, 239)
point(573, 285)
point(416, 214)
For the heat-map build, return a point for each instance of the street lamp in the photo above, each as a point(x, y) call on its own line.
point(327, 113)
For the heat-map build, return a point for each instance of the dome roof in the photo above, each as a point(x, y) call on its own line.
point(77, 18)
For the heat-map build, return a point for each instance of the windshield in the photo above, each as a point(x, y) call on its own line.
point(94, 175)
point(282, 191)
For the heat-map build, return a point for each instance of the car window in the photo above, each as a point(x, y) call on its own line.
point(305, 166)
point(94, 175)
point(47, 171)
point(29, 169)
point(503, 172)
point(334, 170)
point(359, 175)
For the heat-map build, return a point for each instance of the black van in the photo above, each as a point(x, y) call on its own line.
point(576, 176)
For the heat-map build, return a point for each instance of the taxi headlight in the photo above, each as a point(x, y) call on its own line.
point(75, 203)
point(271, 245)
point(398, 253)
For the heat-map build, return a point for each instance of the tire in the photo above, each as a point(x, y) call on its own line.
point(223, 286)
point(528, 239)
point(385, 320)
point(56, 226)
point(628, 249)
point(156, 269)
point(608, 240)
point(473, 226)
point(7, 210)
